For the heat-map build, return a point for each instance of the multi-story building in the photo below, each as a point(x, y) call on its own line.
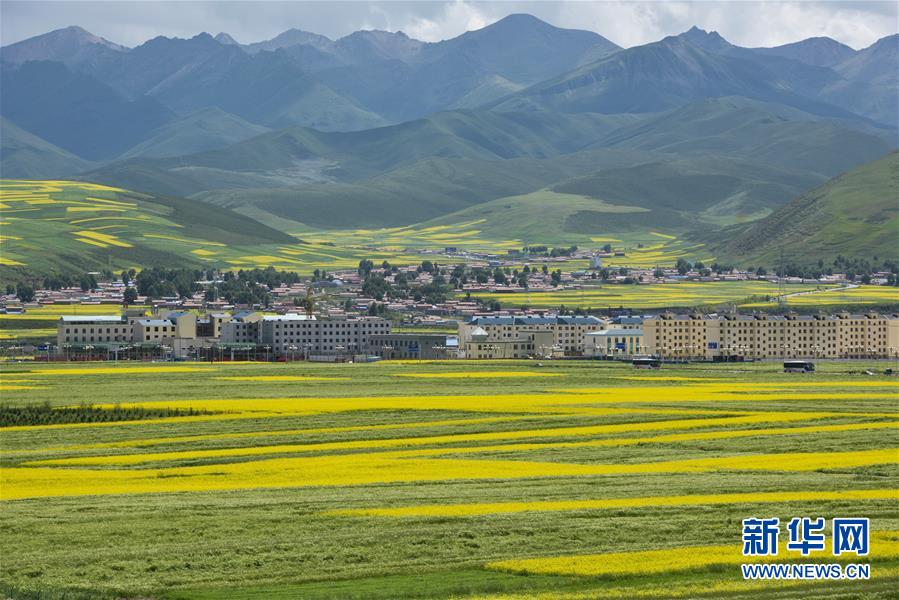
point(101, 329)
point(681, 336)
point(721, 337)
point(153, 331)
point(243, 328)
point(301, 333)
point(211, 326)
point(567, 332)
point(528, 344)
point(282, 334)
point(132, 327)
point(185, 323)
point(620, 343)
point(422, 346)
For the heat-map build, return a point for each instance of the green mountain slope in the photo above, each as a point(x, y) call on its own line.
point(25, 155)
point(763, 132)
point(716, 161)
point(753, 131)
point(424, 190)
point(206, 129)
point(855, 214)
point(634, 192)
point(299, 156)
point(75, 226)
point(713, 190)
point(76, 111)
point(548, 217)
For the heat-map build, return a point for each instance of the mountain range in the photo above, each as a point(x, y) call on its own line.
point(379, 129)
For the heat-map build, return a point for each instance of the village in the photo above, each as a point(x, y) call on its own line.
point(481, 275)
point(432, 311)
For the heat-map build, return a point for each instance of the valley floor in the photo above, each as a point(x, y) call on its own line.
point(570, 479)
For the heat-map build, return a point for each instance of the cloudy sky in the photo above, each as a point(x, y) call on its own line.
point(628, 23)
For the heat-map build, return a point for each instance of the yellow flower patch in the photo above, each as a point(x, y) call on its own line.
point(355, 469)
point(73, 209)
point(282, 378)
point(480, 375)
point(104, 238)
point(648, 562)
point(664, 378)
point(92, 242)
point(498, 436)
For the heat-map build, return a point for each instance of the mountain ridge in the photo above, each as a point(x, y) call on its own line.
point(376, 127)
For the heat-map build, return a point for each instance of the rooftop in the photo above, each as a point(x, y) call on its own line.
point(624, 320)
point(289, 317)
point(548, 320)
point(93, 319)
point(154, 322)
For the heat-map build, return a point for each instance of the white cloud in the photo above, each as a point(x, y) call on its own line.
point(457, 18)
point(746, 23)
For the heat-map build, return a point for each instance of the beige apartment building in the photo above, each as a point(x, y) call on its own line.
point(98, 329)
point(132, 327)
point(566, 334)
point(527, 344)
point(712, 337)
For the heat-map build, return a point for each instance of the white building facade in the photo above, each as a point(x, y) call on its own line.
point(614, 343)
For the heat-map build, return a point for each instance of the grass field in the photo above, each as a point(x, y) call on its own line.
point(44, 225)
point(437, 480)
point(860, 296)
point(65, 225)
point(47, 225)
point(655, 296)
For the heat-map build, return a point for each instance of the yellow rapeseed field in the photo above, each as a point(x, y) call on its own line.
point(692, 443)
point(444, 439)
point(281, 378)
point(360, 469)
point(666, 378)
point(883, 545)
